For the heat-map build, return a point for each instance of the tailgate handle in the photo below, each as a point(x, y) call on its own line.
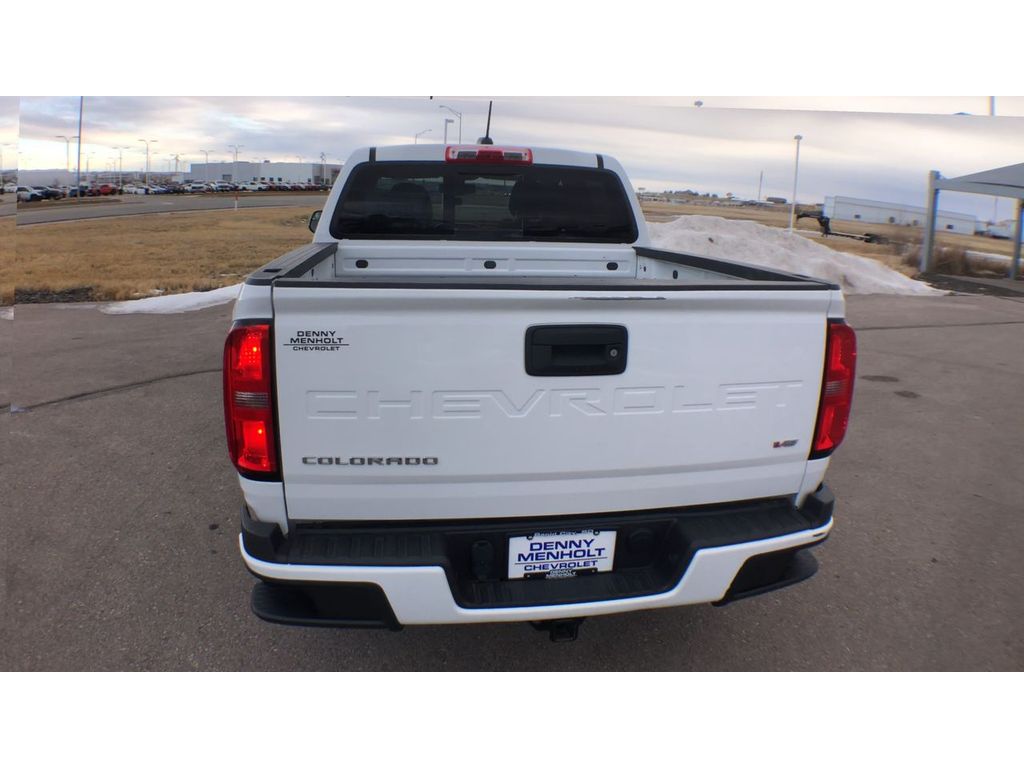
point(576, 350)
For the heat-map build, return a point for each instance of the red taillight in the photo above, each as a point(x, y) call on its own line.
point(248, 402)
point(485, 153)
point(836, 388)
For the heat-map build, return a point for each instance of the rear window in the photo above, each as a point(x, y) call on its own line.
point(442, 201)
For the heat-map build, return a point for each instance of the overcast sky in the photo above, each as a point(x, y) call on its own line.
point(9, 129)
point(664, 143)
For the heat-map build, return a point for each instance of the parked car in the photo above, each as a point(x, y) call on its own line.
point(197, 187)
point(49, 193)
point(251, 186)
point(10, 187)
point(224, 186)
point(519, 409)
point(28, 195)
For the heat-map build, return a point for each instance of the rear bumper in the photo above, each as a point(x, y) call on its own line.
point(452, 572)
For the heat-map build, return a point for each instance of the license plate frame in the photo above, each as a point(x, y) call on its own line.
point(561, 554)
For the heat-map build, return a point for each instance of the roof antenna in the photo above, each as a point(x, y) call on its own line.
point(486, 138)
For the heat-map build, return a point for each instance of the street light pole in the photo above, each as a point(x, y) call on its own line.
point(234, 170)
point(447, 121)
point(147, 142)
point(120, 170)
point(457, 114)
point(67, 151)
point(206, 166)
point(416, 138)
point(78, 172)
point(995, 200)
point(796, 172)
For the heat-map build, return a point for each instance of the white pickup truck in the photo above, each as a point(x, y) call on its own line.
point(480, 395)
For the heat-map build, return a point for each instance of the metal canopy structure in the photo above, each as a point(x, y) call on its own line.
point(998, 182)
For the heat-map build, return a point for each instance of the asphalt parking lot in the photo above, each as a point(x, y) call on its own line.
point(43, 212)
point(121, 517)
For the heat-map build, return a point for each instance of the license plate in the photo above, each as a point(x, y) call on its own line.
point(563, 553)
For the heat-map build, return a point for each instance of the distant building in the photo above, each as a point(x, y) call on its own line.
point(50, 177)
point(778, 200)
point(308, 173)
point(878, 212)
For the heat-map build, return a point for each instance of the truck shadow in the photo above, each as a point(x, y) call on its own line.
point(645, 640)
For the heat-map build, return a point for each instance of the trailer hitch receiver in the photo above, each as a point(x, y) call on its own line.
point(559, 630)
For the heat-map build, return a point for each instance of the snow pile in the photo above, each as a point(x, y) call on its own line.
point(775, 248)
point(179, 302)
point(6, 313)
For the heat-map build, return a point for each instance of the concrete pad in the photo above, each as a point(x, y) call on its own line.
point(67, 350)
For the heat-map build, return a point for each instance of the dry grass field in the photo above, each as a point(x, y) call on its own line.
point(6, 260)
point(136, 256)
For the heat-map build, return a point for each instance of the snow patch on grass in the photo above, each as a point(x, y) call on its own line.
point(175, 303)
point(774, 248)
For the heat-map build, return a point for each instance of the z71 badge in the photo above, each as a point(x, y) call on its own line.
point(316, 341)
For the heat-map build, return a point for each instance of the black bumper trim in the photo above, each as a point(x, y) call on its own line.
point(770, 571)
point(354, 605)
point(653, 549)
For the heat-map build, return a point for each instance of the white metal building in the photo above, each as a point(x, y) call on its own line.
point(878, 212)
point(309, 173)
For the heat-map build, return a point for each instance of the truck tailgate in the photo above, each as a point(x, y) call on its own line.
point(416, 404)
